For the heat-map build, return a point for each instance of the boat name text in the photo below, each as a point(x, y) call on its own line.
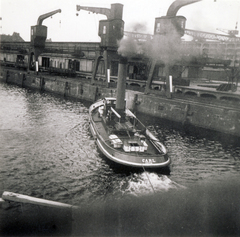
point(149, 161)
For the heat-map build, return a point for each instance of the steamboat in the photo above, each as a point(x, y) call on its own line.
point(123, 138)
point(120, 136)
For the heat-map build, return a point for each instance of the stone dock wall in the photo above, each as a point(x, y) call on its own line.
point(213, 116)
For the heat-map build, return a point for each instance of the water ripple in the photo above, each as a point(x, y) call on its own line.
point(47, 151)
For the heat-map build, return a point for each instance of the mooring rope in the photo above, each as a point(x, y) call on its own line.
point(149, 180)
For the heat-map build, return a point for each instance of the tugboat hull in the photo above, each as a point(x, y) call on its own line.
point(134, 161)
point(129, 151)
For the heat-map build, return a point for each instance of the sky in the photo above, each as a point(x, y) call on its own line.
point(19, 15)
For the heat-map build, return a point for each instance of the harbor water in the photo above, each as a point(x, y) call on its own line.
point(47, 151)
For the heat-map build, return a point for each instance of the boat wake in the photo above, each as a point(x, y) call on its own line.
point(150, 183)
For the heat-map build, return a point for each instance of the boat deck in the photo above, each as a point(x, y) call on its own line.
point(106, 131)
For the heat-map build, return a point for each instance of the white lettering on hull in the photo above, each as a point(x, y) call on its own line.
point(148, 161)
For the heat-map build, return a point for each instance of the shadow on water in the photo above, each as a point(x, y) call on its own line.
point(206, 210)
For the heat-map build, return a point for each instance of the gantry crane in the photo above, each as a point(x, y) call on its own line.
point(168, 31)
point(38, 38)
point(110, 32)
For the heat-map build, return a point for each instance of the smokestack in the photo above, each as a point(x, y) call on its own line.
point(121, 86)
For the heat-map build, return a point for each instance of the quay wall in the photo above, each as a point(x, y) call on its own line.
point(186, 112)
point(217, 117)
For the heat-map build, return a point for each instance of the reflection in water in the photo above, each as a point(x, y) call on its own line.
point(47, 151)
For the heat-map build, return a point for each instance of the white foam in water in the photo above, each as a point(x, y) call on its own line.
point(149, 183)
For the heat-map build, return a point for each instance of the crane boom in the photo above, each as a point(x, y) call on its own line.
point(212, 36)
point(176, 5)
point(231, 33)
point(138, 36)
point(44, 16)
point(194, 33)
point(97, 10)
